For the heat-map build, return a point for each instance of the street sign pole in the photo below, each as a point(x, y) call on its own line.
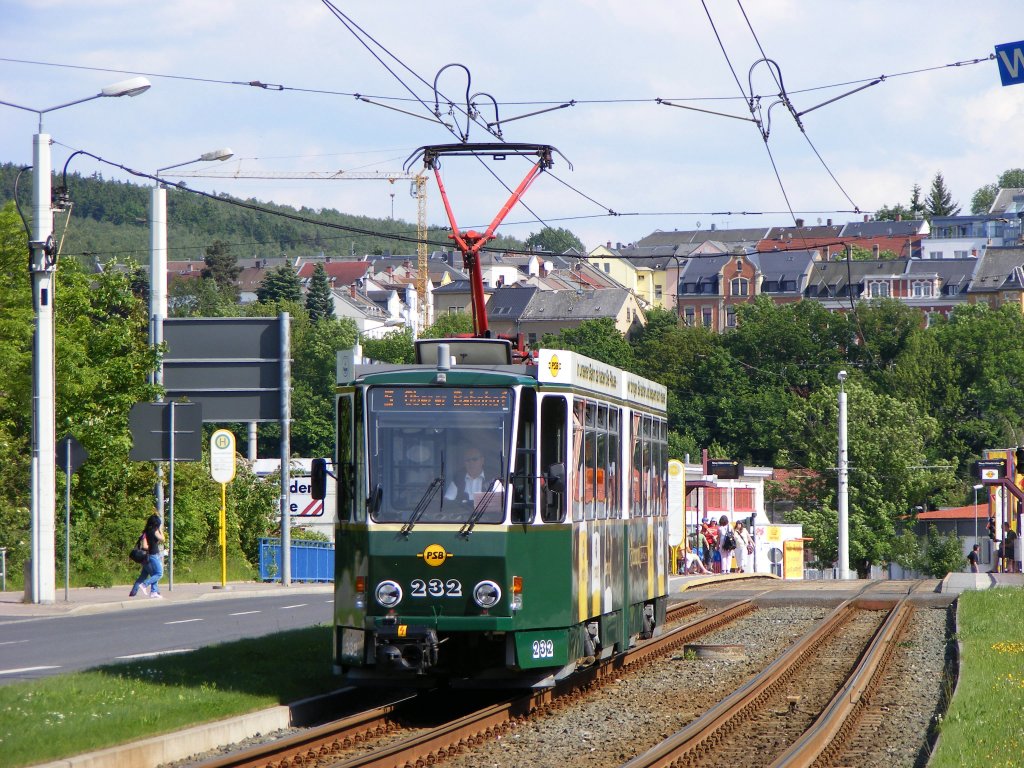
point(222, 469)
point(170, 508)
point(71, 455)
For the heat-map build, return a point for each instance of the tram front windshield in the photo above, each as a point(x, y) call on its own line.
point(438, 454)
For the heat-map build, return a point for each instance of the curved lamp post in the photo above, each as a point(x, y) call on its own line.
point(842, 497)
point(158, 312)
point(40, 585)
point(977, 488)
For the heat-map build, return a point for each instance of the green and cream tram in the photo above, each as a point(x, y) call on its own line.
point(498, 524)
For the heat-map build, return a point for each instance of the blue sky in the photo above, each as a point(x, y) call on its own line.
point(659, 166)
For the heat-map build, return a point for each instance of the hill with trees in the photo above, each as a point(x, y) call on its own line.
point(109, 220)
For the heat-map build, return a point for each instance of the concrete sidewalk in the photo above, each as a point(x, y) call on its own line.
point(97, 599)
point(955, 583)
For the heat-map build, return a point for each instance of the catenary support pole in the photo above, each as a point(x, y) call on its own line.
point(286, 415)
point(843, 489)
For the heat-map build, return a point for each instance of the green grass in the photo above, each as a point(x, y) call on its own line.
point(81, 712)
point(984, 725)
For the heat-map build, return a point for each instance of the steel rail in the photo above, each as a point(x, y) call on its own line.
point(826, 738)
point(464, 732)
point(697, 742)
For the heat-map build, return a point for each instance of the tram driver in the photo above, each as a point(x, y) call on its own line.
point(467, 486)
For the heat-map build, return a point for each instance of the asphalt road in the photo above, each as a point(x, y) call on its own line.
point(37, 647)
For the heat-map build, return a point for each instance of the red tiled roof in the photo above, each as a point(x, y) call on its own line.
point(339, 272)
point(955, 513)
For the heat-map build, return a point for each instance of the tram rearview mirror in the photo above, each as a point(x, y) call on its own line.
point(318, 479)
point(556, 478)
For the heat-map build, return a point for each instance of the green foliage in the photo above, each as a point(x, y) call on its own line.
point(447, 326)
point(939, 201)
point(222, 267)
point(319, 300)
point(599, 339)
point(907, 552)
point(393, 347)
point(281, 284)
point(943, 553)
point(555, 240)
point(983, 198)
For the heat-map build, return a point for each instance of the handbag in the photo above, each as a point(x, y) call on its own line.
point(137, 553)
point(750, 548)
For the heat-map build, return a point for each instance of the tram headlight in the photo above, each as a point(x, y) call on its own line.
point(486, 594)
point(388, 594)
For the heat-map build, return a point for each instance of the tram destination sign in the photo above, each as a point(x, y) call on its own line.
point(441, 399)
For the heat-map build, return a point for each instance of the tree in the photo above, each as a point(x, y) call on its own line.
point(916, 208)
point(393, 347)
point(555, 240)
point(913, 210)
point(447, 326)
point(222, 267)
point(887, 439)
point(281, 284)
point(984, 196)
point(599, 339)
point(940, 200)
point(319, 299)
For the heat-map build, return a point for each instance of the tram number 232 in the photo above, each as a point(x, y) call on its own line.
point(436, 588)
point(543, 649)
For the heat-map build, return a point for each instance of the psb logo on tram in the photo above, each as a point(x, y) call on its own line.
point(434, 555)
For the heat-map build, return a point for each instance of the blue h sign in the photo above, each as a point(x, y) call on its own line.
point(1010, 58)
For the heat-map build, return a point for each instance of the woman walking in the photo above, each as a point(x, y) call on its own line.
point(150, 540)
point(744, 548)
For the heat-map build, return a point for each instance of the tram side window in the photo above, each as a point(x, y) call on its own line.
point(613, 481)
point(524, 473)
point(553, 429)
point(592, 463)
point(636, 468)
point(578, 476)
point(343, 466)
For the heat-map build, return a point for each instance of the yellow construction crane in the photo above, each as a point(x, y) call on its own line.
point(418, 189)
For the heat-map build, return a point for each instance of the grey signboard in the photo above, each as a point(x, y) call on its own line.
point(150, 424)
point(231, 365)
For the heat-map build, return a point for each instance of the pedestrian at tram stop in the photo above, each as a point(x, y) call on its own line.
point(151, 540)
point(973, 558)
point(744, 548)
point(1009, 549)
point(726, 536)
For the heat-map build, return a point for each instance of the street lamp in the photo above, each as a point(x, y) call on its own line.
point(842, 497)
point(977, 488)
point(158, 248)
point(40, 586)
point(158, 279)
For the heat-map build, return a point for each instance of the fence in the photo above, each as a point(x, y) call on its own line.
point(310, 560)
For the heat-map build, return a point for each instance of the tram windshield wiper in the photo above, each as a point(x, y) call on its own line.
point(423, 503)
point(480, 508)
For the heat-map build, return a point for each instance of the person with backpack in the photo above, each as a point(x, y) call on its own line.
point(153, 567)
point(726, 543)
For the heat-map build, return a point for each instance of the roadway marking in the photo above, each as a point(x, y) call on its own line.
point(180, 621)
point(24, 669)
point(152, 654)
point(297, 605)
point(244, 613)
point(13, 642)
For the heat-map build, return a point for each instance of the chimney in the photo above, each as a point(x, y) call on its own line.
point(874, 251)
point(828, 222)
point(865, 217)
point(352, 290)
point(608, 245)
point(327, 259)
point(618, 246)
point(899, 217)
point(799, 222)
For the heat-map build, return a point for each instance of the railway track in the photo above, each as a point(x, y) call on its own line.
point(812, 706)
point(337, 742)
point(803, 709)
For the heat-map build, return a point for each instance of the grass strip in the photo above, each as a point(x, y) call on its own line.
point(984, 725)
point(70, 714)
